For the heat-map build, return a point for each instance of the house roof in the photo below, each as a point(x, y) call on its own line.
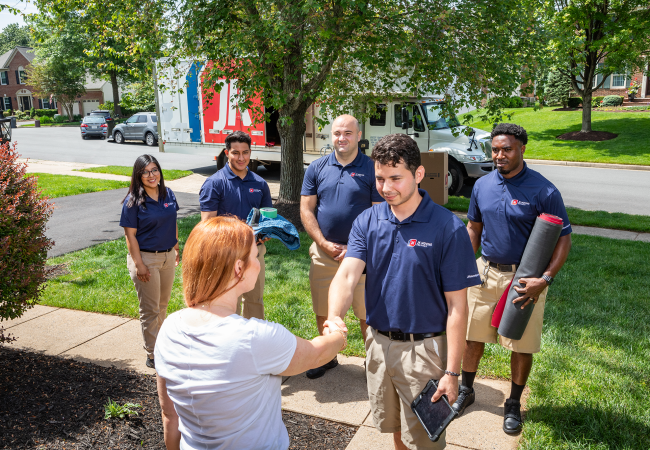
point(93, 84)
point(5, 58)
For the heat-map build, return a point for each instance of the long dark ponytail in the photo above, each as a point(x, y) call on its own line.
point(136, 190)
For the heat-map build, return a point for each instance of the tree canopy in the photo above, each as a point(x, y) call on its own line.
point(13, 35)
point(589, 40)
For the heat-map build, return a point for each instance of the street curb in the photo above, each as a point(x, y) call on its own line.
point(549, 162)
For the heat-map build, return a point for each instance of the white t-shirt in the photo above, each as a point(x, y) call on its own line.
point(222, 378)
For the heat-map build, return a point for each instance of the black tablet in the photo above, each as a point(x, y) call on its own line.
point(434, 417)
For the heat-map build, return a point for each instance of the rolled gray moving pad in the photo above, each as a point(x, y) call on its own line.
point(537, 254)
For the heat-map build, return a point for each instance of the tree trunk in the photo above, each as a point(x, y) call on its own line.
point(292, 141)
point(586, 112)
point(69, 108)
point(116, 94)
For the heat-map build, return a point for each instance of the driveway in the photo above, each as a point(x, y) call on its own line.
point(80, 221)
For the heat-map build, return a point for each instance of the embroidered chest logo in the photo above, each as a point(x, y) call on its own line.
point(166, 205)
point(354, 174)
point(516, 202)
point(416, 243)
point(252, 191)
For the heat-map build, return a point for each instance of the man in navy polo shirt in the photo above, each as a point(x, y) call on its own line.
point(235, 190)
point(335, 190)
point(502, 212)
point(419, 263)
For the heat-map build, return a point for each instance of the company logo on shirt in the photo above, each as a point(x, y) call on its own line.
point(516, 202)
point(354, 174)
point(168, 204)
point(473, 276)
point(416, 243)
point(251, 190)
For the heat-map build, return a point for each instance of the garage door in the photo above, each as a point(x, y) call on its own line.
point(90, 105)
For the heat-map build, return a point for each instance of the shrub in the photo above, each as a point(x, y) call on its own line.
point(32, 113)
point(595, 101)
point(574, 102)
point(6, 113)
point(613, 100)
point(516, 102)
point(20, 115)
point(77, 118)
point(46, 112)
point(59, 118)
point(46, 119)
point(108, 106)
point(23, 244)
point(557, 88)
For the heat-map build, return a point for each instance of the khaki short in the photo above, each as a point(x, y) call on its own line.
point(252, 302)
point(321, 273)
point(483, 299)
point(397, 372)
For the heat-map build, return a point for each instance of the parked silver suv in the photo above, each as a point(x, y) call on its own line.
point(139, 127)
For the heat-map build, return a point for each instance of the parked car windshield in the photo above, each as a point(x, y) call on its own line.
point(94, 119)
point(433, 113)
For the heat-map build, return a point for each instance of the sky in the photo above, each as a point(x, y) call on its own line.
point(7, 18)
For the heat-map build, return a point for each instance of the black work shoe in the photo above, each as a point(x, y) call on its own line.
point(150, 363)
point(512, 416)
point(320, 371)
point(466, 397)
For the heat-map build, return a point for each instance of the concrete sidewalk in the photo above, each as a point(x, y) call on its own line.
point(341, 395)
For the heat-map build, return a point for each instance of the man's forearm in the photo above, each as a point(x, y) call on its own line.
point(560, 254)
point(342, 287)
point(311, 226)
point(456, 333)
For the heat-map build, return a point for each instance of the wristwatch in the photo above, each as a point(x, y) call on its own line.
point(548, 279)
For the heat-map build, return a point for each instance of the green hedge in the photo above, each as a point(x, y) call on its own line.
point(46, 119)
point(613, 100)
point(595, 101)
point(574, 102)
point(46, 112)
point(516, 102)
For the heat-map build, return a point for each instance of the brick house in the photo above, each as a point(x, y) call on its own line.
point(15, 92)
point(97, 92)
point(617, 84)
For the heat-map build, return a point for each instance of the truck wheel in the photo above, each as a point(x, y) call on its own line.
point(221, 160)
point(150, 140)
point(455, 174)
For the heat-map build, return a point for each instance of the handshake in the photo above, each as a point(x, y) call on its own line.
point(336, 326)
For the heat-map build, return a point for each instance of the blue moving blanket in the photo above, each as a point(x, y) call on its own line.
point(276, 228)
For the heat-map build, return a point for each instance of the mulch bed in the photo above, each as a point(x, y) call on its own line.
point(291, 212)
point(47, 402)
point(596, 136)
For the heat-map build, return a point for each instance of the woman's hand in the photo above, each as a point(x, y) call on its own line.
point(142, 272)
point(178, 256)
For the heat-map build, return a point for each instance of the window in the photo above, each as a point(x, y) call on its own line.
point(381, 120)
point(7, 103)
point(142, 119)
point(46, 103)
point(4, 77)
point(435, 118)
point(417, 119)
point(132, 119)
point(154, 119)
point(618, 80)
point(22, 76)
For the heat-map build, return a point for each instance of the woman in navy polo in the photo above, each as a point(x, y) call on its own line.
point(149, 221)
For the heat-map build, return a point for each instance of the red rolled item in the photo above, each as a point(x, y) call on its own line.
point(551, 218)
point(498, 311)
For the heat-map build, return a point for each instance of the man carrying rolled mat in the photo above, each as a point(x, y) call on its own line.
point(335, 190)
point(502, 212)
point(236, 190)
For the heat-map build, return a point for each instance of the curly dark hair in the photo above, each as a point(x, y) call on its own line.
point(238, 136)
point(393, 149)
point(510, 129)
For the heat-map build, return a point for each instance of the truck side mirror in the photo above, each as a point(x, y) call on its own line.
point(405, 119)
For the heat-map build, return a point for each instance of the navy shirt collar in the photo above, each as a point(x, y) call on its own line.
point(358, 161)
point(421, 214)
point(231, 175)
point(517, 179)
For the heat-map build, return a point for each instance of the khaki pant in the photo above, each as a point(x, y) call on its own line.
point(252, 303)
point(397, 372)
point(483, 299)
point(154, 294)
point(321, 273)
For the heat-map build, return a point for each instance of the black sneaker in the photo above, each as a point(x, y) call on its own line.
point(320, 371)
point(150, 363)
point(512, 416)
point(466, 397)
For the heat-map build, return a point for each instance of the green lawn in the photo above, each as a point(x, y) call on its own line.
point(55, 186)
point(632, 146)
point(600, 219)
point(127, 171)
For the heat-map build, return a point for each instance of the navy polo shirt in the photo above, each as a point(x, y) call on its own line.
point(154, 220)
point(342, 193)
point(411, 264)
point(508, 209)
point(226, 193)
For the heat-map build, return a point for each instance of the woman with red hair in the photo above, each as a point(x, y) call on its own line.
point(219, 374)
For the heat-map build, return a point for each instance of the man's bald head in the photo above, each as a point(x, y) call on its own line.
point(347, 120)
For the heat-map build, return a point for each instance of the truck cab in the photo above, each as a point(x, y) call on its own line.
point(469, 156)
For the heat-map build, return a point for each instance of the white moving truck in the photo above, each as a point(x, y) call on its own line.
point(196, 120)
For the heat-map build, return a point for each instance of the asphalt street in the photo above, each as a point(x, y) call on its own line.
point(610, 190)
point(80, 221)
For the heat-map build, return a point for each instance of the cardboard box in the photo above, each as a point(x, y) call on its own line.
point(435, 180)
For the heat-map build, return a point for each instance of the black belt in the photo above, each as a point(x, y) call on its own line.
point(157, 251)
point(501, 267)
point(399, 336)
